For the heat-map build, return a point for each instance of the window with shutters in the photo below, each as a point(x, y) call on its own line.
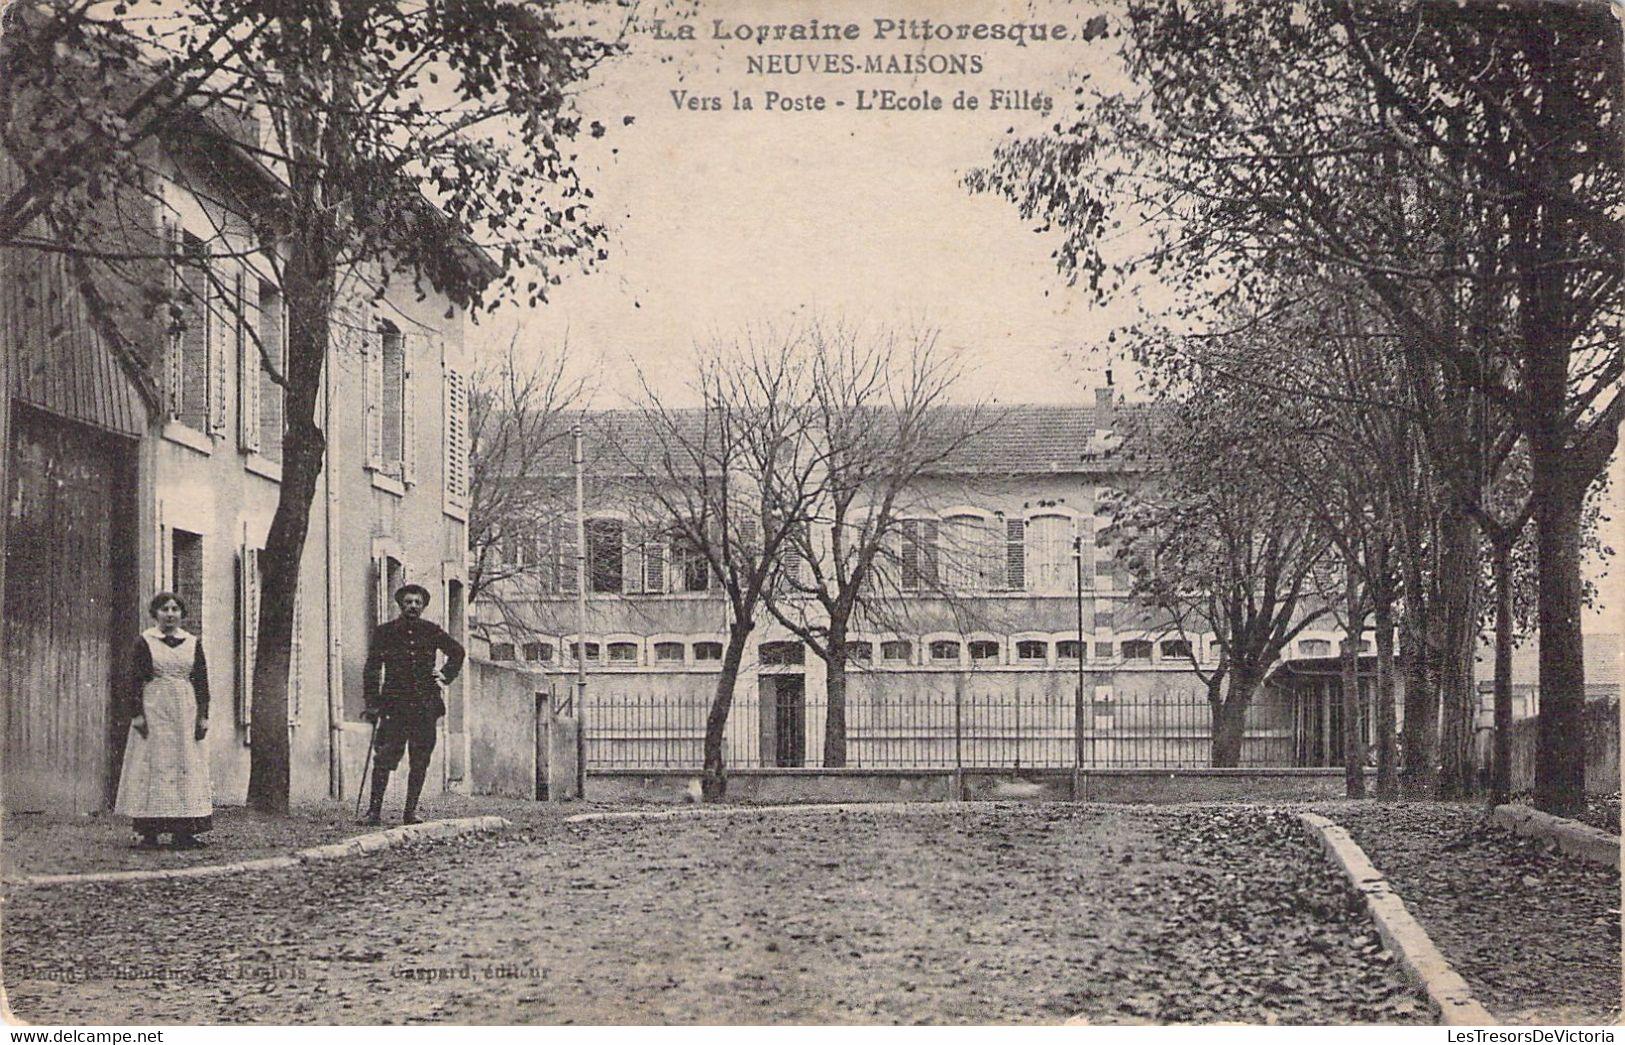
point(190, 373)
point(388, 401)
point(919, 555)
point(654, 567)
point(692, 566)
point(186, 576)
point(388, 574)
point(1050, 567)
point(606, 559)
point(261, 335)
point(454, 403)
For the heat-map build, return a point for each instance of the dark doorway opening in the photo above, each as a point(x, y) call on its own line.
point(789, 720)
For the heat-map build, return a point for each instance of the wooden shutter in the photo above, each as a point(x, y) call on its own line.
point(380, 589)
point(409, 442)
point(1015, 554)
point(372, 356)
point(163, 553)
point(220, 320)
point(910, 579)
point(456, 440)
point(564, 545)
point(174, 350)
point(248, 327)
point(248, 625)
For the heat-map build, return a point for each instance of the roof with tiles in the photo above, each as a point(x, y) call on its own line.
point(1014, 440)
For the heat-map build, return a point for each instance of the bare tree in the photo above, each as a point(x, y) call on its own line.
point(730, 482)
point(877, 423)
point(520, 414)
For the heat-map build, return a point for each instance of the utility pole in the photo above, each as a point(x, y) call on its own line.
point(581, 615)
point(1077, 707)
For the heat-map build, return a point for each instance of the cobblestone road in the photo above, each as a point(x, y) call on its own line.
point(1012, 914)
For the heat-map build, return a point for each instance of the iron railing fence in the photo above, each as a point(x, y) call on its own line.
point(940, 729)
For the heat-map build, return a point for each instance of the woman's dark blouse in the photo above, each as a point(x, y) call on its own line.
point(141, 673)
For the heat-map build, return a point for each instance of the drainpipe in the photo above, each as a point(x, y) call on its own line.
point(335, 633)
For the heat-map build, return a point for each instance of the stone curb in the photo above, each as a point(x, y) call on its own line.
point(1402, 933)
point(1571, 836)
point(357, 846)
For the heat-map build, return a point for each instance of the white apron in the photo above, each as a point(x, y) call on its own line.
point(166, 773)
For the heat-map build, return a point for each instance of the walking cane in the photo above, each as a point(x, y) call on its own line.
point(361, 785)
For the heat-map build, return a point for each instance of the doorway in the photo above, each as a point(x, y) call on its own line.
point(784, 720)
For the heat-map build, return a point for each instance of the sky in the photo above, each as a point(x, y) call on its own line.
point(722, 220)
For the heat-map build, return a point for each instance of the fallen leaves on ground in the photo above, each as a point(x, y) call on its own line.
point(1004, 914)
point(1535, 932)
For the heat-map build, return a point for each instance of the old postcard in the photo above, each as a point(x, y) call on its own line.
point(839, 513)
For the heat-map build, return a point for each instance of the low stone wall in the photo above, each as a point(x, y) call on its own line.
point(1601, 719)
point(506, 704)
point(502, 723)
point(941, 785)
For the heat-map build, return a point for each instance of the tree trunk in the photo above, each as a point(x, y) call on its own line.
point(1420, 733)
point(835, 692)
point(1458, 605)
point(1230, 720)
point(1387, 756)
point(1501, 763)
point(1560, 751)
point(714, 776)
point(1353, 742)
point(309, 283)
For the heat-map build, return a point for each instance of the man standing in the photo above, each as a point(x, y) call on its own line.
point(406, 704)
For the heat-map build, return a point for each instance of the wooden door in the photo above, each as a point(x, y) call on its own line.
point(69, 612)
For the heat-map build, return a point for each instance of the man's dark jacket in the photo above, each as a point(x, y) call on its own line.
point(404, 651)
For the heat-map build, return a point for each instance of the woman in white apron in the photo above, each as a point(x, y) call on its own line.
point(164, 787)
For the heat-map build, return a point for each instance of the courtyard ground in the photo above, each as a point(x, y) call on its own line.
point(940, 914)
point(1534, 931)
